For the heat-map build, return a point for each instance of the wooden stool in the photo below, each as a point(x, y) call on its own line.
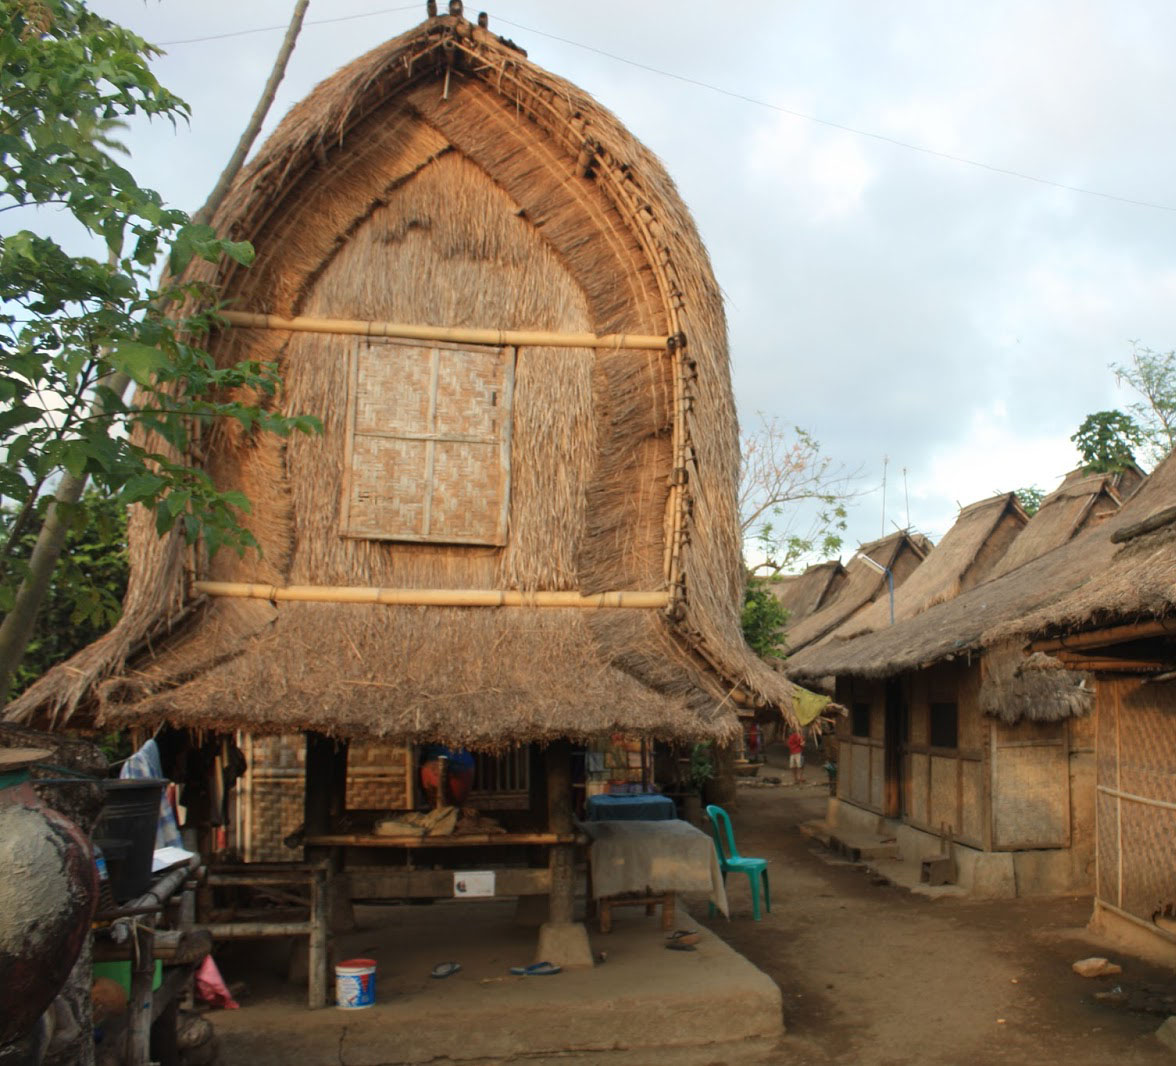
point(606, 903)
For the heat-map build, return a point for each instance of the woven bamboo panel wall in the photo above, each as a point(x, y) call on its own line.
point(428, 444)
point(376, 780)
point(1137, 757)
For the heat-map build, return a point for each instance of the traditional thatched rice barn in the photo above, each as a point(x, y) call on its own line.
point(949, 727)
point(804, 594)
point(901, 553)
point(519, 523)
point(1121, 626)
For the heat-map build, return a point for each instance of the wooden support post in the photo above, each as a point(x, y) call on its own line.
point(317, 952)
point(139, 1007)
point(559, 820)
point(562, 940)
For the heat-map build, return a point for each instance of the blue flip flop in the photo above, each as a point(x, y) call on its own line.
point(536, 969)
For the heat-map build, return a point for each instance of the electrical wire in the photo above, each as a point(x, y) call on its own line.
point(1007, 172)
point(309, 22)
point(779, 108)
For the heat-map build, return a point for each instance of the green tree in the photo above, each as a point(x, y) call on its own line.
point(764, 619)
point(1152, 376)
point(1106, 441)
point(86, 595)
point(76, 329)
point(1030, 499)
point(792, 497)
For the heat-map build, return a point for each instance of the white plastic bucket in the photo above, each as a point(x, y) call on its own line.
point(355, 984)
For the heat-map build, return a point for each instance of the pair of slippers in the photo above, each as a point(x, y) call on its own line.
point(683, 939)
point(536, 969)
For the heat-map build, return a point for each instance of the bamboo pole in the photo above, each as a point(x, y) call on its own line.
point(502, 338)
point(430, 597)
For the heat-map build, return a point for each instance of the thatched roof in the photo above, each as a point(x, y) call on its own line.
point(804, 594)
point(1039, 688)
point(901, 552)
point(965, 557)
point(1138, 584)
point(443, 179)
point(996, 611)
point(1080, 502)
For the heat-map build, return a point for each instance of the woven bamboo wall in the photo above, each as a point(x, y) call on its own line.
point(1136, 756)
point(376, 780)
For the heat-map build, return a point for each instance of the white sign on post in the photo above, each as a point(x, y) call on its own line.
point(469, 884)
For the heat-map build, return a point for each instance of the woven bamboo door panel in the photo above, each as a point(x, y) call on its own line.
point(428, 444)
point(1031, 785)
point(1146, 805)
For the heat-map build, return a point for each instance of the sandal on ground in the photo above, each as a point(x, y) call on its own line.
point(684, 936)
point(446, 969)
point(677, 945)
point(536, 969)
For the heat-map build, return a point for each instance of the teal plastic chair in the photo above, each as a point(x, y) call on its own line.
point(730, 861)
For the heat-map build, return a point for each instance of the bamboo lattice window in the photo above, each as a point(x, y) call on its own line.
point(428, 444)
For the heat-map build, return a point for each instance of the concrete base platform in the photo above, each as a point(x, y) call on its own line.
point(895, 850)
point(644, 1004)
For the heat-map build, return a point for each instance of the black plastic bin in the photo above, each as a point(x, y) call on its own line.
point(131, 814)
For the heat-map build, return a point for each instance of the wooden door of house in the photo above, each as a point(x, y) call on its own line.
point(1030, 785)
point(894, 747)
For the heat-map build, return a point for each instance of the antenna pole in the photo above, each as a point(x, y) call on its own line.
point(885, 462)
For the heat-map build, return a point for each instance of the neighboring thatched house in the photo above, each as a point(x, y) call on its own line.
point(519, 525)
point(901, 553)
point(1121, 626)
point(804, 594)
point(971, 551)
point(948, 728)
point(1080, 502)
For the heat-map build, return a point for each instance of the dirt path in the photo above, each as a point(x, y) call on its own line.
point(875, 975)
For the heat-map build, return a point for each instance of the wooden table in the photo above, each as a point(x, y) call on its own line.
point(375, 880)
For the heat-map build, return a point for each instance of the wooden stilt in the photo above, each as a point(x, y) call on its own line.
point(317, 951)
point(141, 997)
point(559, 820)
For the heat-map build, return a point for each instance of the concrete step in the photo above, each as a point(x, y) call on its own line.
point(854, 845)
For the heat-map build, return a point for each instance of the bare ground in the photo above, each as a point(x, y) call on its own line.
point(872, 974)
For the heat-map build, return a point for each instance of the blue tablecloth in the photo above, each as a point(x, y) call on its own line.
point(652, 808)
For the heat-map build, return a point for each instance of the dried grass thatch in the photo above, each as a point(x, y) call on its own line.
point(1017, 687)
point(804, 594)
point(1081, 502)
point(1005, 607)
point(901, 553)
point(1138, 584)
point(444, 179)
point(965, 557)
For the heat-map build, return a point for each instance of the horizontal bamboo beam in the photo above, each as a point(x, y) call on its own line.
point(430, 597)
point(1147, 801)
point(502, 338)
point(1101, 638)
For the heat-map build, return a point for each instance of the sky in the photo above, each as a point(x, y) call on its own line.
point(948, 321)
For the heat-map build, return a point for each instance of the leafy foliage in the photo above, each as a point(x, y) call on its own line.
point(1030, 499)
point(792, 498)
point(72, 324)
point(764, 619)
point(1152, 376)
point(1106, 441)
point(85, 598)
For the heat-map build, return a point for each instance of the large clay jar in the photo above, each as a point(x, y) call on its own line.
point(48, 891)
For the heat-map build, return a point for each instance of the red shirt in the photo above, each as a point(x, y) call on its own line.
point(795, 743)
